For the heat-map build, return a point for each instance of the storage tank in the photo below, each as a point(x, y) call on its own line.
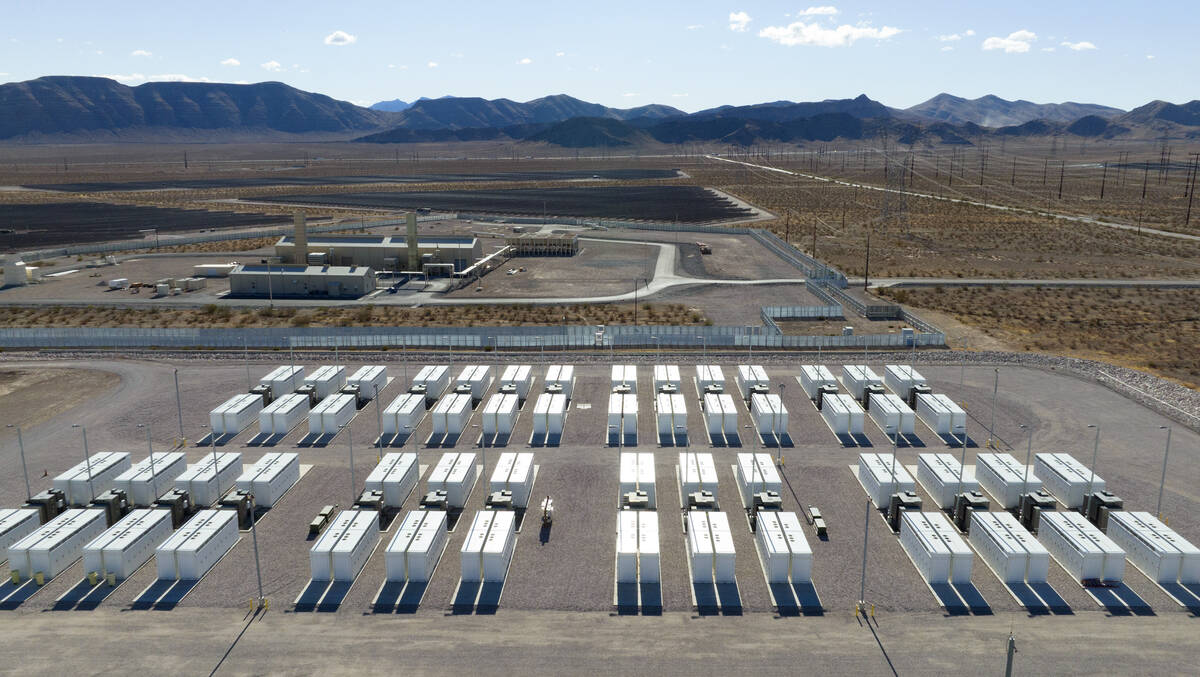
point(414, 551)
point(234, 414)
point(549, 413)
point(514, 472)
point(342, 551)
point(144, 481)
point(478, 377)
point(942, 415)
point(283, 379)
point(1065, 478)
point(450, 414)
point(454, 474)
point(770, 416)
point(563, 376)
point(285, 413)
point(749, 376)
point(939, 474)
point(57, 544)
point(624, 375)
point(403, 414)
point(487, 550)
point(128, 544)
point(207, 481)
point(666, 375)
point(499, 414)
point(520, 377)
point(92, 477)
point(270, 477)
point(697, 471)
point(891, 414)
point(1012, 552)
point(333, 412)
point(709, 375)
point(671, 414)
point(368, 378)
point(1156, 549)
point(327, 380)
point(720, 414)
point(787, 557)
point(843, 414)
point(637, 474)
point(813, 376)
point(857, 378)
point(1003, 477)
point(1082, 549)
point(756, 473)
point(395, 476)
point(15, 524)
point(875, 471)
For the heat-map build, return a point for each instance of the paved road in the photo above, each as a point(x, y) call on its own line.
point(1006, 208)
point(989, 282)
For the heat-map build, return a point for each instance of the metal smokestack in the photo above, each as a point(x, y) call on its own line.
point(300, 235)
point(414, 256)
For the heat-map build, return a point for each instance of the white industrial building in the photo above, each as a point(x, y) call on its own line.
point(299, 281)
point(436, 255)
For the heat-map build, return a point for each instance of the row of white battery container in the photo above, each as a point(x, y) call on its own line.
point(369, 379)
point(901, 379)
point(514, 472)
point(1156, 549)
point(787, 556)
point(938, 552)
point(234, 414)
point(92, 477)
point(500, 414)
point(415, 550)
point(942, 415)
point(454, 473)
point(476, 378)
point(720, 414)
point(331, 414)
point(560, 379)
point(341, 552)
point(1065, 478)
point(487, 551)
point(395, 476)
point(666, 377)
point(148, 479)
point(843, 414)
point(637, 474)
point(285, 413)
point(270, 477)
point(326, 380)
point(403, 414)
point(1005, 478)
point(451, 413)
point(518, 377)
point(432, 381)
point(197, 546)
point(1081, 548)
point(857, 378)
point(624, 376)
point(891, 414)
point(284, 379)
point(697, 472)
point(622, 414)
point(770, 416)
point(670, 411)
point(1011, 551)
point(210, 478)
point(756, 474)
point(751, 378)
point(637, 547)
point(549, 414)
point(710, 376)
point(944, 477)
point(52, 547)
point(882, 475)
point(710, 547)
point(129, 544)
point(813, 377)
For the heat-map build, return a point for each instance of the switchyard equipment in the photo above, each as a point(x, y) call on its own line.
point(520, 377)
point(720, 414)
point(1012, 552)
point(403, 413)
point(623, 414)
point(500, 414)
point(549, 414)
point(813, 377)
point(751, 378)
point(145, 481)
point(1065, 478)
point(625, 375)
point(15, 524)
point(756, 473)
point(902, 379)
point(454, 474)
point(697, 472)
point(395, 476)
point(232, 416)
point(370, 379)
point(270, 477)
point(326, 380)
point(92, 477)
point(451, 413)
point(488, 548)
point(1155, 548)
point(54, 546)
point(671, 413)
point(843, 414)
point(49, 504)
point(128, 544)
point(1082, 549)
point(209, 479)
point(1005, 478)
point(942, 415)
point(891, 414)
point(285, 413)
point(787, 557)
point(710, 547)
point(514, 472)
point(637, 547)
point(667, 376)
point(331, 414)
point(342, 551)
point(858, 378)
point(876, 472)
point(562, 376)
point(637, 474)
point(710, 378)
point(414, 551)
point(770, 416)
point(939, 474)
point(283, 379)
point(431, 381)
point(478, 377)
point(935, 547)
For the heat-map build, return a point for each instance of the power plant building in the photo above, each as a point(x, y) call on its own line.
point(543, 244)
point(291, 281)
point(435, 255)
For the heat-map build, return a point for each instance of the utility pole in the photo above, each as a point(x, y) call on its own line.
point(1103, 179)
point(1062, 170)
point(862, 590)
point(1162, 484)
point(867, 266)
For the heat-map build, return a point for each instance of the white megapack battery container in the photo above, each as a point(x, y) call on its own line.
point(417, 546)
point(57, 544)
point(207, 480)
point(144, 482)
point(395, 476)
point(91, 478)
point(128, 544)
point(342, 551)
point(199, 544)
point(270, 477)
point(454, 474)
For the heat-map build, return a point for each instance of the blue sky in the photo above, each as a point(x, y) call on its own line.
point(690, 55)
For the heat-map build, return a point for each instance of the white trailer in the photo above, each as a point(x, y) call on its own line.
point(1065, 478)
point(417, 546)
point(478, 377)
point(232, 416)
point(637, 547)
point(637, 474)
point(403, 414)
point(813, 377)
point(787, 556)
point(843, 414)
point(514, 472)
point(942, 415)
point(697, 471)
point(549, 414)
point(1155, 548)
point(15, 524)
point(520, 377)
point(128, 544)
point(1004, 477)
point(500, 414)
point(451, 413)
point(327, 380)
point(891, 414)
point(720, 414)
point(207, 481)
point(285, 413)
point(54, 546)
point(710, 547)
point(284, 379)
point(937, 550)
point(434, 379)
point(562, 376)
point(624, 375)
point(370, 379)
point(488, 548)
point(671, 414)
point(331, 414)
point(901, 379)
point(876, 472)
point(1081, 548)
point(144, 481)
point(343, 550)
point(395, 476)
point(454, 474)
point(857, 378)
point(667, 375)
point(749, 376)
point(1012, 552)
point(770, 416)
point(197, 546)
point(939, 474)
point(756, 473)
point(708, 375)
point(622, 414)
point(270, 477)
point(92, 477)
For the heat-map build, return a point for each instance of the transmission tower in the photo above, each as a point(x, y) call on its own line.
point(893, 215)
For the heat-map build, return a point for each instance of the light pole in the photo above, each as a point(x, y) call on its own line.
point(378, 424)
point(1087, 496)
point(87, 460)
point(482, 450)
point(995, 389)
point(703, 348)
point(25, 470)
point(1028, 453)
point(350, 442)
point(270, 289)
point(150, 450)
point(254, 540)
point(178, 406)
point(1161, 485)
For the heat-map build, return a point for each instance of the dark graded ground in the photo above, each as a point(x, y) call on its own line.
point(687, 204)
point(265, 181)
point(62, 223)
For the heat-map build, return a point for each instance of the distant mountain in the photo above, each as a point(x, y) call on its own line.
point(992, 111)
point(1156, 113)
point(860, 107)
point(466, 112)
point(393, 106)
point(92, 107)
point(591, 133)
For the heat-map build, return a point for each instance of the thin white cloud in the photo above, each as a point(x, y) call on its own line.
point(1150, 57)
point(816, 35)
point(231, 62)
point(823, 10)
point(947, 48)
point(1047, 49)
point(693, 27)
point(738, 21)
point(524, 62)
point(1017, 42)
point(175, 77)
point(273, 66)
point(339, 38)
point(969, 32)
point(432, 64)
point(1079, 46)
point(140, 52)
point(953, 37)
point(124, 79)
